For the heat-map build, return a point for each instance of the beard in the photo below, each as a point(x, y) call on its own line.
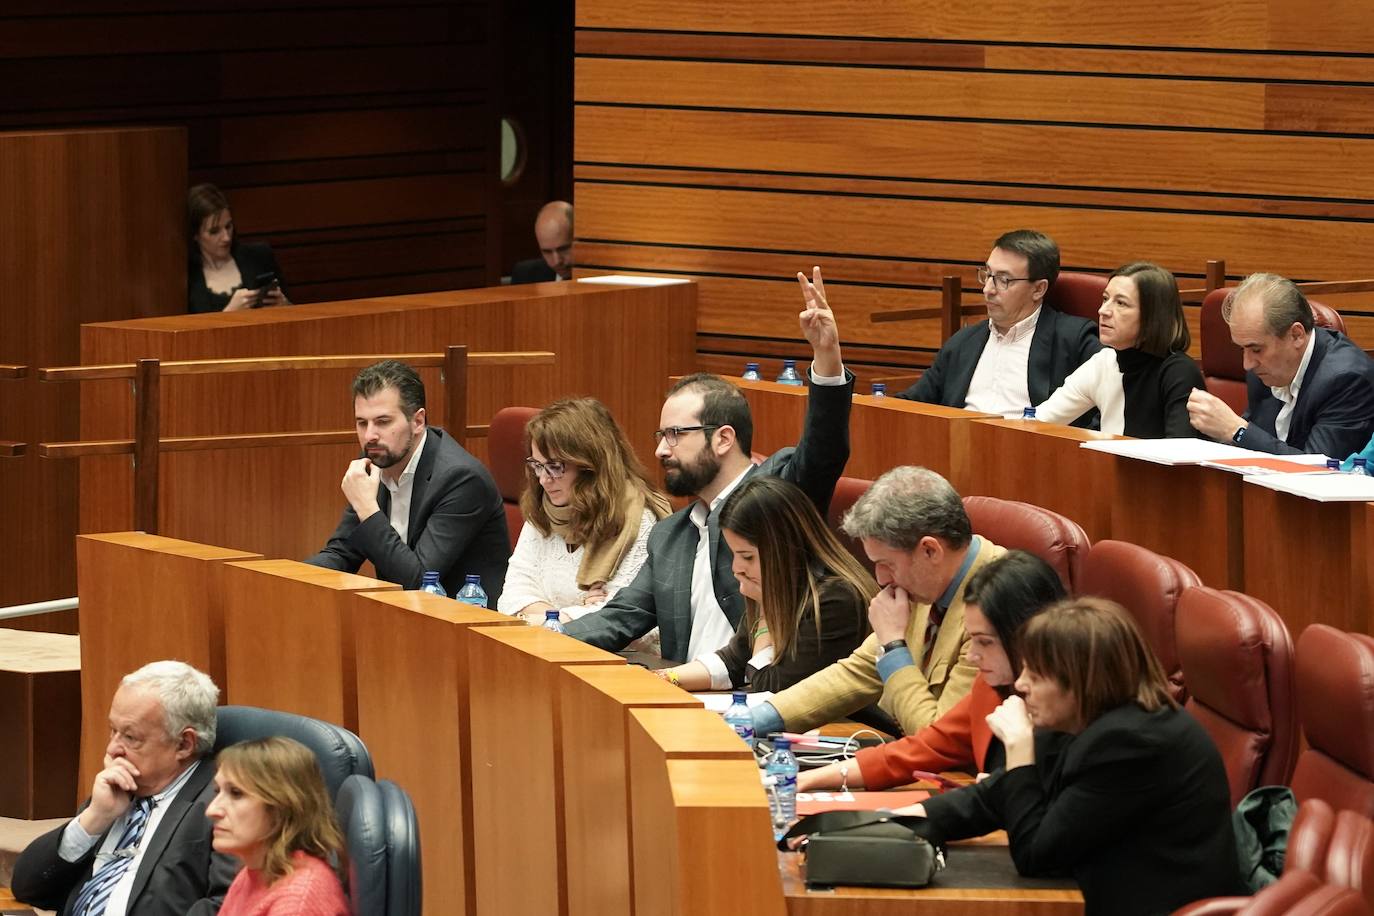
point(690, 479)
point(385, 457)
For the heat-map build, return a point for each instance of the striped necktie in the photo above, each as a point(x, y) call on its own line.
point(937, 617)
point(96, 894)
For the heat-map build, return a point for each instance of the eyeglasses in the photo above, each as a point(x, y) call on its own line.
point(671, 434)
point(1001, 281)
point(550, 469)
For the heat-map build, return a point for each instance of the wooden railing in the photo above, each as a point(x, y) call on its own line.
point(148, 444)
point(9, 449)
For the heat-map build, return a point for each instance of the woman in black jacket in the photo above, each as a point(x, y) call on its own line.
point(225, 275)
point(1106, 778)
point(806, 597)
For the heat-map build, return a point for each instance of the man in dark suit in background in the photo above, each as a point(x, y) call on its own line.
point(553, 229)
point(417, 500)
point(1310, 390)
point(142, 844)
point(1023, 352)
point(686, 587)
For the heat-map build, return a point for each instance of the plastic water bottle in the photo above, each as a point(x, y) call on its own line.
point(430, 583)
point(789, 375)
point(880, 389)
point(1028, 413)
point(472, 593)
point(782, 766)
point(1360, 467)
point(751, 373)
point(551, 622)
point(1333, 464)
point(740, 718)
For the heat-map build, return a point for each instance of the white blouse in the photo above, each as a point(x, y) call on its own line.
point(543, 569)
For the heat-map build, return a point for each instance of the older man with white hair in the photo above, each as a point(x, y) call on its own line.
point(142, 844)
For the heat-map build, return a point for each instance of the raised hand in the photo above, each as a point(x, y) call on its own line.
point(818, 325)
point(1011, 723)
point(359, 487)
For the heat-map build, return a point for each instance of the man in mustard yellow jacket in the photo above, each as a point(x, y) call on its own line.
point(913, 527)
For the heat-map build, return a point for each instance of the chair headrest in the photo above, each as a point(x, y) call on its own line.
point(340, 752)
point(362, 815)
point(506, 450)
point(1226, 643)
point(1075, 293)
point(1059, 541)
point(1221, 358)
point(1335, 675)
point(404, 888)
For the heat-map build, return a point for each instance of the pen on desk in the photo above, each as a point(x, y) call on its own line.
point(941, 781)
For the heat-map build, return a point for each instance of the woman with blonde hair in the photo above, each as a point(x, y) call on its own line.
point(273, 812)
point(588, 506)
point(806, 597)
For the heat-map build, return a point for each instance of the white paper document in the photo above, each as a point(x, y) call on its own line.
point(1171, 451)
point(1325, 488)
point(627, 280)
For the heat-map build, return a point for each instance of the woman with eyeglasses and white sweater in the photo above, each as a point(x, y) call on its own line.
point(588, 506)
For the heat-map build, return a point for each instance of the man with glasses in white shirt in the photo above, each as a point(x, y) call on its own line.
point(686, 587)
point(1023, 351)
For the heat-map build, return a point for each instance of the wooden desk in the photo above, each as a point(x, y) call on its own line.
point(288, 638)
point(515, 686)
point(40, 716)
point(940, 899)
point(1309, 560)
point(1042, 464)
point(595, 703)
point(412, 676)
point(883, 432)
point(284, 502)
point(144, 598)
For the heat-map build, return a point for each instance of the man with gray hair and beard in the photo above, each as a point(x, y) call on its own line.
point(914, 528)
point(142, 844)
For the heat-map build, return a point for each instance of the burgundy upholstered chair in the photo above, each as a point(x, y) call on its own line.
point(1057, 540)
point(1147, 584)
point(506, 459)
point(1078, 294)
point(1237, 661)
point(1335, 682)
point(1350, 855)
point(1223, 370)
point(847, 493)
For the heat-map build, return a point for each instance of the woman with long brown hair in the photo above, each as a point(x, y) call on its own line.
point(806, 597)
point(588, 506)
point(273, 812)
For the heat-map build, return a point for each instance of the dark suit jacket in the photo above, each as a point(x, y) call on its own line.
point(535, 270)
point(661, 594)
point(457, 526)
point(1060, 345)
point(1335, 410)
point(180, 873)
point(253, 260)
point(1136, 807)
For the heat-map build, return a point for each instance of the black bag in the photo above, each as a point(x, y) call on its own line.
point(869, 848)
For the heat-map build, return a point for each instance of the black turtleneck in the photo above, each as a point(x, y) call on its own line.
point(1156, 392)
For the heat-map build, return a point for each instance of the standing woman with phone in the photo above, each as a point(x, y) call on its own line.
point(224, 275)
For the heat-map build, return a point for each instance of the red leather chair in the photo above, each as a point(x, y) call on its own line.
point(1223, 370)
point(1327, 900)
point(506, 459)
point(1309, 838)
point(1237, 661)
point(1077, 294)
point(1350, 856)
point(1335, 681)
point(847, 493)
point(1147, 584)
point(1057, 540)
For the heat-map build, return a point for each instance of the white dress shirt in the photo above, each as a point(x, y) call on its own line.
point(76, 842)
point(1288, 394)
point(402, 488)
point(999, 384)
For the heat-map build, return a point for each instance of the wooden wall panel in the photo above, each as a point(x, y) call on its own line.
point(868, 139)
point(310, 114)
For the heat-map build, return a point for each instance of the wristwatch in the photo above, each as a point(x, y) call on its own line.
point(894, 645)
point(1240, 434)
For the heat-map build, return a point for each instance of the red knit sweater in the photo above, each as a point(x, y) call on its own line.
point(312, 889)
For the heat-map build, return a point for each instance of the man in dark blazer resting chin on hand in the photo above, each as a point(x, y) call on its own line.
point(142, 845)
point(686, 587)
point(1022, 352)
point(417, 500)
